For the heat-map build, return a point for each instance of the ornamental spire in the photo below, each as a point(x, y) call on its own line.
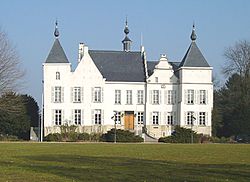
point(193, 35)
point(56, 32)
point(126, 41)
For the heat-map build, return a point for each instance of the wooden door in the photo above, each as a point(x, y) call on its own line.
point(129, 121)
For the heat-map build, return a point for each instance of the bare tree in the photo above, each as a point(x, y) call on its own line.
point(11, 74)
point(238, 59)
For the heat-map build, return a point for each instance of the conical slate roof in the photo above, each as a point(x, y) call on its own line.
point(57, 54)
point(194, 57)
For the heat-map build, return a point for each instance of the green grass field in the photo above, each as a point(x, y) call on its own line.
point(123, 162)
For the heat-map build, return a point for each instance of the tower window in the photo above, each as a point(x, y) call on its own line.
point(57, 75)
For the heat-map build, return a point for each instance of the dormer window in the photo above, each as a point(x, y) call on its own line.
point(57, 75)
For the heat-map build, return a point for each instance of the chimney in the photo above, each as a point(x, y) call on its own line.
point(80, 52)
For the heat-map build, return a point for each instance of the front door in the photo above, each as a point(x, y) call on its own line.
point(129, 120)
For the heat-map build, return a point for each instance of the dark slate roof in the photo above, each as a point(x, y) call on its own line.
point(56, 54)
point(194, 57)
point(119, 65)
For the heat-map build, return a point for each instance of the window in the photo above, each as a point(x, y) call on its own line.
point(171, 97)
point(57, 75)
point(156, 79)
point(77, 94)
point(117, 96)
point(77, 116)
point(129, 97)
point(118, 118)
point(140, 117)
point(156, 97)
point(140, 96)
point(190, 97)
point(202, 97)
point(97, 94)
point(170, 118)
point(58, 117)
point(155, 118)
point(190, 118)
point(58, 94)
point(202, 118)
point(97, 116)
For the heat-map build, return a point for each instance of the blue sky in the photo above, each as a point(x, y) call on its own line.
point(165, 26)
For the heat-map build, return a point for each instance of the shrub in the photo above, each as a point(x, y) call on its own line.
point(121, 136)
point(83, 137)
point(53, 137)
point(8, 138)
point(181, 135)
point(95, 137)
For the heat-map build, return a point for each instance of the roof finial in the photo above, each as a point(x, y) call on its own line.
point(193, 35)
point(126, 30)
point(56, 32)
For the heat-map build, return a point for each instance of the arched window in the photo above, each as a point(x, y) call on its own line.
point(57, 75)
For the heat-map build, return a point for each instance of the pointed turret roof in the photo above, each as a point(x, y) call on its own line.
point(56, 54)
point(193, 56)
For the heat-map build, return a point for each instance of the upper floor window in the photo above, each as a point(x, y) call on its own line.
point(155, 118)
point(140, 96)
point(97, 94)
point(58, 94)
point(202, 118)
point(129, 97)
point(77, 116)
point(190, 96)
point(171, 97)
point(117, 96)
point(57, 75)
point(202, 97)
point(156, 97)
point(77, 94)
point(140, 117)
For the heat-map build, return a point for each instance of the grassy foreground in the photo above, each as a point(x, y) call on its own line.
point(123, 162)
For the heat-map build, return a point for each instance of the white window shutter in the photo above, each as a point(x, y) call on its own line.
point(102, 95)
point(186, 96)
point(174, 118)
point(151, 117)
point(71, 94)
point(174, 96)
point(195, 97)
point(150, 96)
point(165, 97)
point(185, 118)
point(159, 96)
point(53, 116)
point(102, 116)
point(72, 116)
point(63, 117)
point(198, 97)
point(165, 117)
point(92, 94)
point(159, 121)
point(93, 116)
point(62, 94)
point(82, 94)
point(52, 94)
point(206, 118)
point(82, 117)
point(206, 99)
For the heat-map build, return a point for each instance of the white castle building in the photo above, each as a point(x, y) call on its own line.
point(123, 88)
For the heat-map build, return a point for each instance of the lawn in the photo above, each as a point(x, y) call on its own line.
point(123, 162)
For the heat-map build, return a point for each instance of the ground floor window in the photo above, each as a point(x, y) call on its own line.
point(170, 118)
point(97, 116)
point(155, 118)
point(190, 118)
point(118, 118)
point(58, 117)
point(140, 117)
point(77, 116)
point(202, 118)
